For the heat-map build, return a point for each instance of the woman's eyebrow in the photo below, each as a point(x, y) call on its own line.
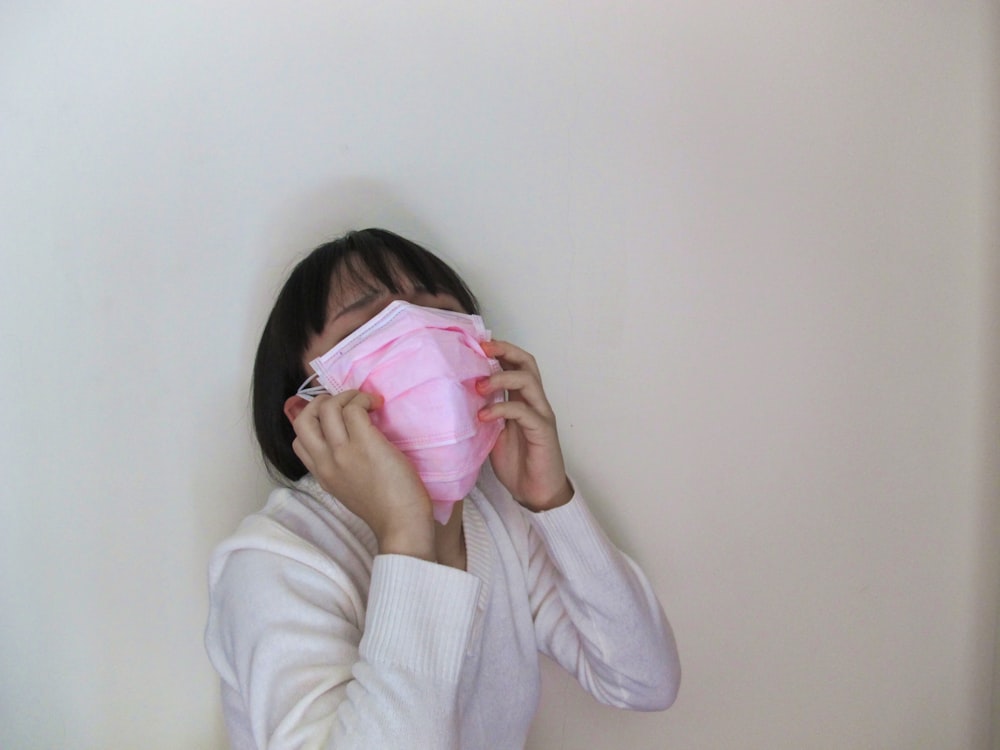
point(361, 302)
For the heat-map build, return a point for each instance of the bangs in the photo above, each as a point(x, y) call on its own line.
point(378, 259)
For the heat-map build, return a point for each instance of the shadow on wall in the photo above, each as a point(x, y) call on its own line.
point(328, 212)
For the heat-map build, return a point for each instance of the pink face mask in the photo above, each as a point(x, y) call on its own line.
point(424, 363)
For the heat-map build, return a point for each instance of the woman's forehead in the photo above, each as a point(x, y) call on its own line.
point(351, 282)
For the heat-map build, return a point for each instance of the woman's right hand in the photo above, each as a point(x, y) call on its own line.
point(353, 461)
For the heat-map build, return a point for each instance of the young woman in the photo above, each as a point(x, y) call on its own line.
point(426, 543)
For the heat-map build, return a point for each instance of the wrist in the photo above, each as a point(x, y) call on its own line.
point(562, 496)
point(414, 538)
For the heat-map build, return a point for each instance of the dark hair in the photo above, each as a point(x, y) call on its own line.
point(300, 312)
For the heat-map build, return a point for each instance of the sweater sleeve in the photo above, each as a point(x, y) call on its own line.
point(286, 637)
point(596, 614)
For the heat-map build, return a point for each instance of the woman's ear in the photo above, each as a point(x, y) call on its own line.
point(293, 405)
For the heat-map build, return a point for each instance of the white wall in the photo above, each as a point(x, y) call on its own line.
point(753, 245)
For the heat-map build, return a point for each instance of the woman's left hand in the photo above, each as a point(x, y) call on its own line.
point(527, 458)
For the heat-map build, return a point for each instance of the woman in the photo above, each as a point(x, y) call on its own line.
point(365, 606)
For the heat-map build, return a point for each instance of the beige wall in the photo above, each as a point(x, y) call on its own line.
point(991, 372)
point(753, 245)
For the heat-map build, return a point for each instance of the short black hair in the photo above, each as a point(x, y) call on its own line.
point(300, 313)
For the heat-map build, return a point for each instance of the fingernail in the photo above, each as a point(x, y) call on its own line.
point(483, 414)
point(482, 384)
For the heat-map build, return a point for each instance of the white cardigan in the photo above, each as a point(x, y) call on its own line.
point(322, 643)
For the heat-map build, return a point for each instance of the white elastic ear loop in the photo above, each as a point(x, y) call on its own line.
point(308, 392)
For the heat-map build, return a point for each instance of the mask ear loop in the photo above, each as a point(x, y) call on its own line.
point(308, 392)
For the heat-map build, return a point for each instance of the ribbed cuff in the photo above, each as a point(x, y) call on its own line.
point(419, 615)
point(575, 541)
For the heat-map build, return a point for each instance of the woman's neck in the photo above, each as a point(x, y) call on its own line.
point(449, 541)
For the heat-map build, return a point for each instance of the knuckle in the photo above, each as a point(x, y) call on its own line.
point(317, 403)
point(354, 409)
point(341, 398)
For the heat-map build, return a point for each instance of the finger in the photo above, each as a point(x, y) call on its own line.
point(304, 456)
point(309, 428)
point(511, 357)
point(522, 386)
point(331, 418)
point(355, 413)
point(527, 418)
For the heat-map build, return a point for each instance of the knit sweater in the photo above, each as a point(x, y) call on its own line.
point(320, 642)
